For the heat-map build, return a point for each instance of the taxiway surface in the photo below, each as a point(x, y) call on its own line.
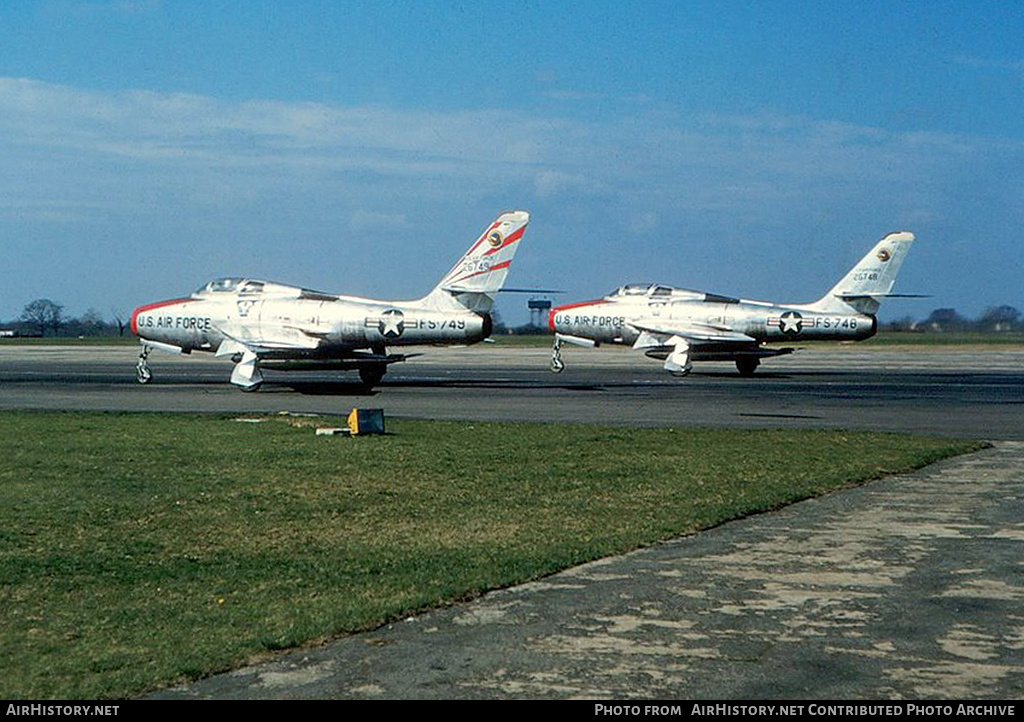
point(953, 392)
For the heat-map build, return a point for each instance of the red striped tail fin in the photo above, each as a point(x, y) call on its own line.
point(476, 278)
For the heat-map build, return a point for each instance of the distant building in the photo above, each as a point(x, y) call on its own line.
point(539, 308)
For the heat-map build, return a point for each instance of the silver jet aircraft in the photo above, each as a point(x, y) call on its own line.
point(269, 325)
point(680, 326)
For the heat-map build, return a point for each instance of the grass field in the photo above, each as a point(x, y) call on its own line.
point(141, 550)
point(71, 341)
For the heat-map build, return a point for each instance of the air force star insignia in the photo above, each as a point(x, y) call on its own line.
point(391, 324)
point(791, 322)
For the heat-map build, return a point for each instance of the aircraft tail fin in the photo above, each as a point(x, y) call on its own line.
point(864, 285)
point(476, 278)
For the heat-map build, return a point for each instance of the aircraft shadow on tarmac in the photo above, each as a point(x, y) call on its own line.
point(352, 388)
point(341, 388)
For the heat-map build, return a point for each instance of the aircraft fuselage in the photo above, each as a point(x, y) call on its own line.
point(325, 326)
point(259, 323)
point(619, 321)
point(679, 326)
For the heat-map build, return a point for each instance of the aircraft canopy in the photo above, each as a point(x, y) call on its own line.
point(658, 292)
point(251, 287)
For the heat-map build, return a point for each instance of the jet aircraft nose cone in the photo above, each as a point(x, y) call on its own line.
point(558, 322)
point(151, 307)
point(554, 325)
point(135, 320)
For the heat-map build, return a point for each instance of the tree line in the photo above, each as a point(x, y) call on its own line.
point(44, 317)
point(993, 319)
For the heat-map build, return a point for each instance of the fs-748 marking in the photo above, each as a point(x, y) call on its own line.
point(679, 326)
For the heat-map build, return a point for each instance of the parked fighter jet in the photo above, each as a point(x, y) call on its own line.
point(680, 326)
point(270, 325)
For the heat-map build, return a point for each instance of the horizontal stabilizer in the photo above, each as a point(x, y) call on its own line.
point(851, 296)
point(528, 290)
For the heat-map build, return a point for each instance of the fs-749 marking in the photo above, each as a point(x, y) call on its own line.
point(261, 324)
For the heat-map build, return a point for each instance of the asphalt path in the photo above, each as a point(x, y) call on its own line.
point(963, 392)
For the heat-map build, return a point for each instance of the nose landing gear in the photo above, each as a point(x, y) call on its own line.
point(557, 364)
point(142, 373)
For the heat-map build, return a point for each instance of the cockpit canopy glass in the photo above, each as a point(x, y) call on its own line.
point(656, 292)
point(220, 285)
point(649, 289)
point(631, 289)
point(231, 285)
point(252, 287)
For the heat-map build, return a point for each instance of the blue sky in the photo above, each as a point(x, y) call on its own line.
point(748, 148)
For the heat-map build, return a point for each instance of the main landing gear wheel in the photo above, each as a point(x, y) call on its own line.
point(372, 375)
point(747, 366)
point(142, 373)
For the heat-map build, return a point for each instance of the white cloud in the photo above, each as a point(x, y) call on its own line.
point(147, 126)
point(1016, 66)
point(549, 183)
point(141, 169)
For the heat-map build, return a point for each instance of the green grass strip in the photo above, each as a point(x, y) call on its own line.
point(139, 550)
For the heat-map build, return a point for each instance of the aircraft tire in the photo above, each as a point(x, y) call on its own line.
point(747, 366)
point(143, 375)
point(371, 374)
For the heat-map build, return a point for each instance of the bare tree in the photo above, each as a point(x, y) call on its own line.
point(44, 314)
point(945, 319)
point(999, 318)
point(121, 320)
point(91, 323)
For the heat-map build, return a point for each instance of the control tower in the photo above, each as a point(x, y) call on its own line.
point(539, 308)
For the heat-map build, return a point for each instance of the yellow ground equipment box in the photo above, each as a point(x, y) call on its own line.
point(366, 421)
